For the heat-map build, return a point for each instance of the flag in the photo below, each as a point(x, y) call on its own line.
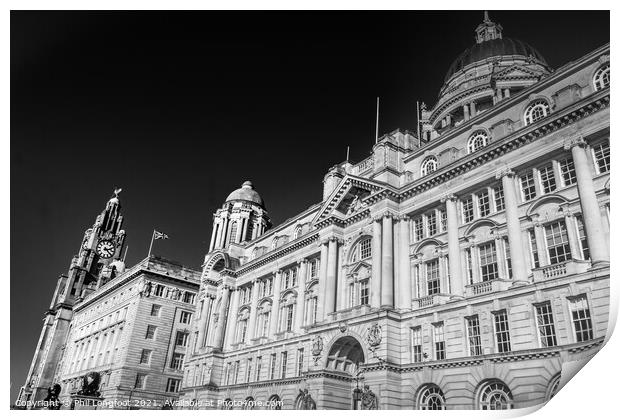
point(159, 235)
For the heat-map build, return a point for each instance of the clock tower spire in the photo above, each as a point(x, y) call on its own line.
point(98, 261)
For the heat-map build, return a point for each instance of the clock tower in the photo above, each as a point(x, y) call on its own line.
point(97, 262)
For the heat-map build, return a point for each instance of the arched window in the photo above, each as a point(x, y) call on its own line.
point(274, 403)
point(228, 404)
point(477, 141)
point(495, 395)
point(601, 77)
point(431, 398)
point(311, 305)
point(429, 165)
point(287, 312)
point(249, 404)
point(233, 232)
point(262, 326)
point(242, 325)
point(537, 110)
point(362, 250)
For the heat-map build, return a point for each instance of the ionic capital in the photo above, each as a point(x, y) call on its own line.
point(576, 141)
point(502, 172)
point(449, 197)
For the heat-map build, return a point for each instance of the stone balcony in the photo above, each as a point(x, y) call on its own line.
point(490, 286)
point(562, 269)
point(432, 300)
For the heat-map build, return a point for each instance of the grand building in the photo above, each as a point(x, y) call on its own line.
point(458, 270)
point(460, 267)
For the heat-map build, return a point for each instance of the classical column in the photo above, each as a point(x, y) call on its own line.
point(454, 250)
point(223, 232)
point(375, 281)
point(204, 321)
point(232, 319)
point(322, 281)
point(213, 235)
point(387, 268)
point(466, 112)
point(404, 289)
point(332, 277)
point(500, 251)
point(221, 319)
point(275, 307)
point(519, 268)
point(472, 110)
point(240, 223)
point(301, 294)
point(599, 251)
point(571, 231)
point(506, 93)
point(443, 276)
point(253, 312)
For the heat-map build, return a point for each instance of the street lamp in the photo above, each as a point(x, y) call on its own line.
point(357, 392)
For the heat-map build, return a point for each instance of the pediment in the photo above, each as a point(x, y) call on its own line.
point(348, 197)
point(360, 270)
point(516, 72)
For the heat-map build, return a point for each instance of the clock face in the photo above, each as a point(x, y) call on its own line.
point(105, 249)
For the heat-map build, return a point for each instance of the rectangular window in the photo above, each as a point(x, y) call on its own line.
point(145, 357)
point(528, 188)
point(418, 228)
point(502, 332)
point(314, 268)
point(181, 339)
point(473, 335)
point(557, 242)
point(583, 239)
point(140, 381)
point(508, 259)
point(272, 367)
point(602, 157)
point(177, 361)
point(580, 314)
point(431, 219)
point(443, 217)
point(567, 170)
point(432, 277)
point(159, 290)
point(488, 261)
point(533, 249)
point(365, 249)
point(189, 297)
point(155, 309)
point(289, 318)
point(468, 209)
point(547, 179)
point(416, 344)
point(259, 366)
point(498, 193)
point(248, 370)
point(469, 266)
point(283, 360)
point(300, 361)
point(484, 203)
point(185, 318)
point(150, 332)
point(364, 293)
point(438, 340)
point(174, 385)
point(546, 328)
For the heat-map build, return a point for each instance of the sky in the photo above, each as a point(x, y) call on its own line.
point(180, 108)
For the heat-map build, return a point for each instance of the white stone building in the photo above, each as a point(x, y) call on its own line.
point(460, 270)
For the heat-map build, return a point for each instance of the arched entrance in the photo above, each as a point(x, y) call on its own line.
point(345, 355)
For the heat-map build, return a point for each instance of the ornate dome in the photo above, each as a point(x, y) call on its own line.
point(493, 48)
point(246, 193)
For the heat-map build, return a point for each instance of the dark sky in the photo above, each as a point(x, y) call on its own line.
point(180, 108)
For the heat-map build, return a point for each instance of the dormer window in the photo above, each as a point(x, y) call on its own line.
point(429, 165)
point(601, 77)
point(537, 110)
point(477, 141)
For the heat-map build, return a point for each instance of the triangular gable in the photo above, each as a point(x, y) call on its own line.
point(348, 184)
point(515, 71)
point(360, 270)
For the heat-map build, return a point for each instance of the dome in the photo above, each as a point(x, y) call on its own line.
point(246, 193)
point(493, 48)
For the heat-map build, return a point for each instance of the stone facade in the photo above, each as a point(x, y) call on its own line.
point(458, 271)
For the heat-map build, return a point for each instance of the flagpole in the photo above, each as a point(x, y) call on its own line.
point(151, 246)
point(126, 249)
point(347, 153)
point(377, 124)
point(417, 104)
